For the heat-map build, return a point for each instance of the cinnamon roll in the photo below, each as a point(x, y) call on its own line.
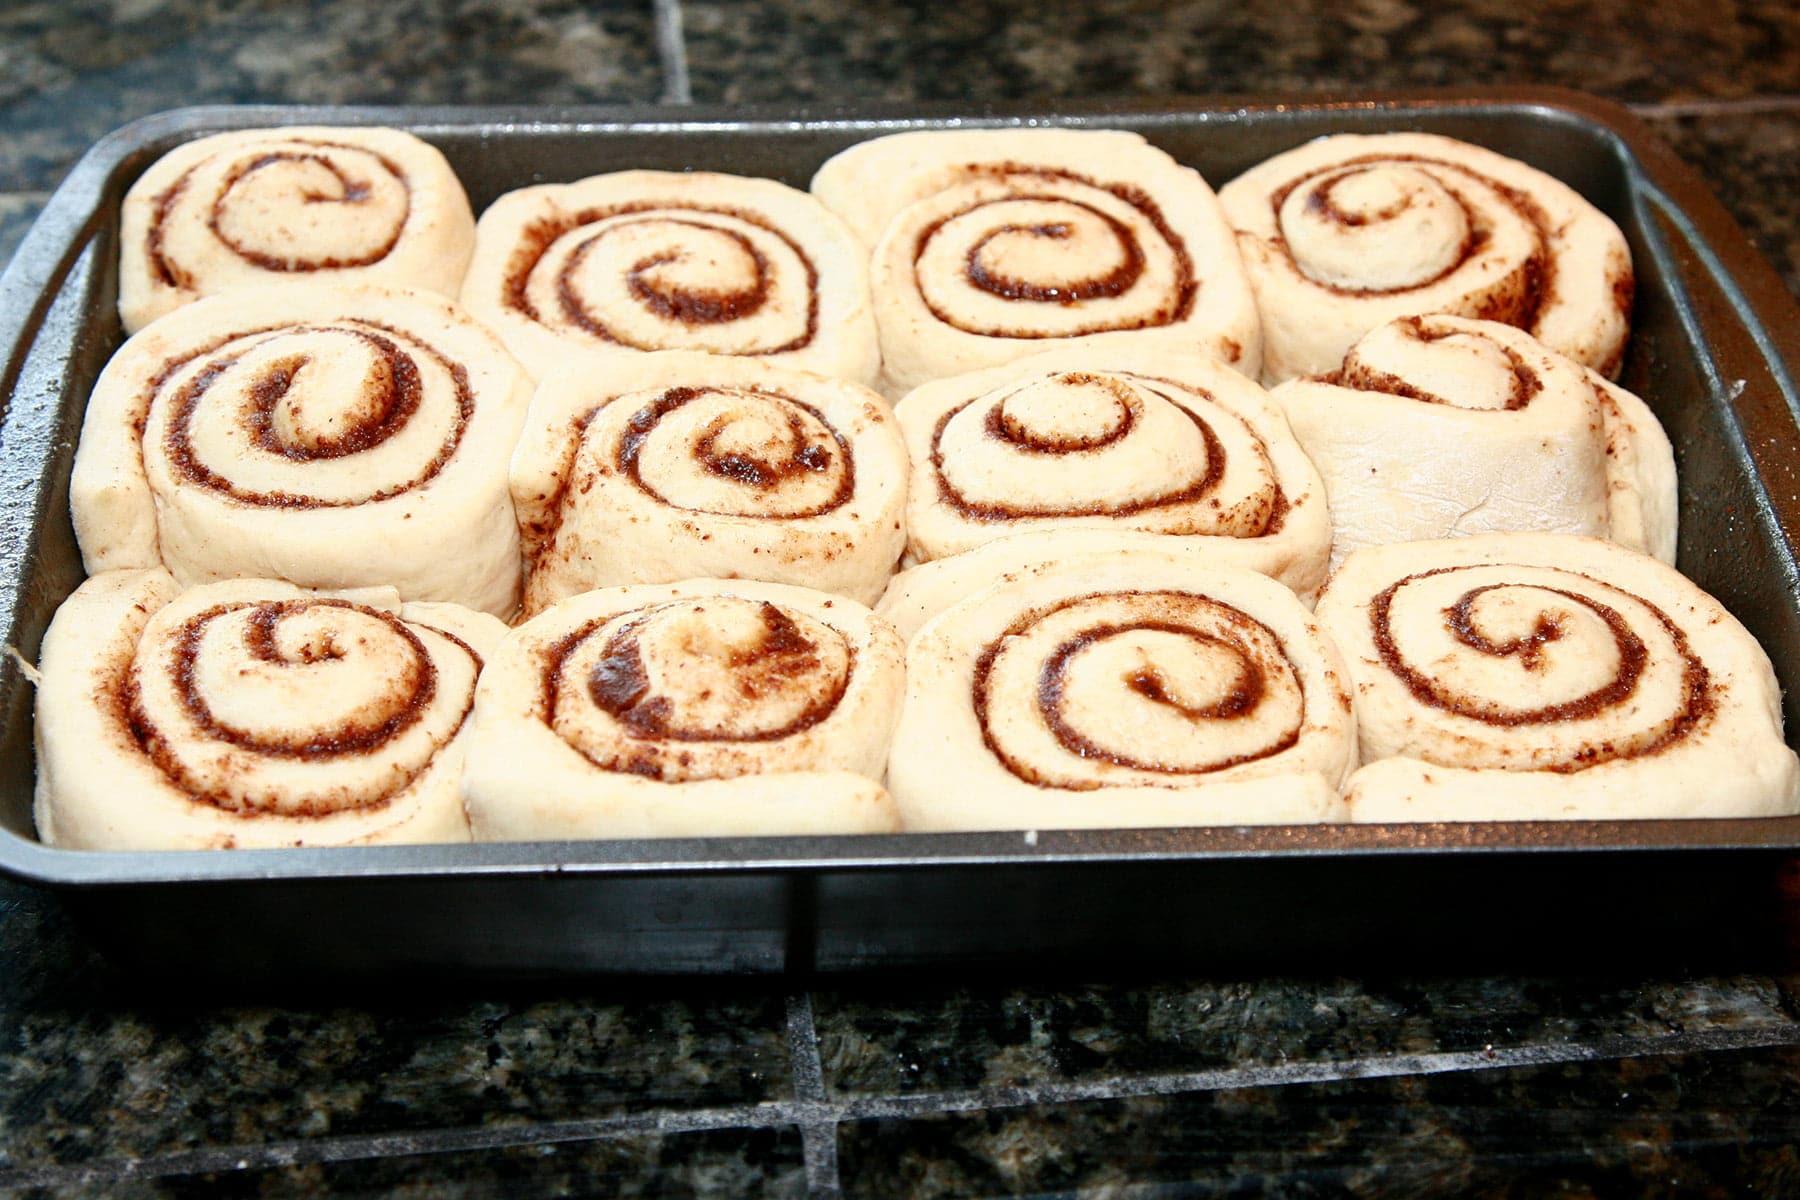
point(1123, 689)
point(252, 713)
point(637, 261)
point(1440, 426)
point(1546, 677)
point(674, 466)
point(1349, 232)
point(993, 244)
point(1149, 439)
point(272, 207)
point(332, 437)
point(703, 708)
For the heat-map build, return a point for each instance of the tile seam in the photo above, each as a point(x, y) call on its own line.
point(1743, 106)
point(821, 1112)
point(671, 48)
point(819, 1120)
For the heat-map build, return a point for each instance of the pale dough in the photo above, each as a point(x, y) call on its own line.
point(252, 713)
point(330, 436)
point(706, 708)
point(1545, 677)
point(615, 265)
point(269, 208)
point(1346, 233)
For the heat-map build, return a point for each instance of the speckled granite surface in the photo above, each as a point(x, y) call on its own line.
point(1620, 1083)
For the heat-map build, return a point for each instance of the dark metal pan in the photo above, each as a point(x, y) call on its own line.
point(1714, 335)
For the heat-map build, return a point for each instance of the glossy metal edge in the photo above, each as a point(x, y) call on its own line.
point(1771, 331)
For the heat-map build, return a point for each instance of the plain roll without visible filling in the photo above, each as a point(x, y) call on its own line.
point(1122, 689)
point(993, 244)
point(273, 207)
point(674, 466)
point(1346, 233)
point(1544, 677)
point(707, 708)
point(1441, 426)
point(617, 265)
point(329, 436)
point(1147, 439)
point(252, 713)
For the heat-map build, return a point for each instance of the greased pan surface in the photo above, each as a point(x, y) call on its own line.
point(1713, 333)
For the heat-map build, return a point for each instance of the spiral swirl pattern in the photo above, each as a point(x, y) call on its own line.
point(289, 436)
point(988, 244)
point(1159, 441)
point(1480, 428)
point(270, 206)
point(673, 692)
point(1543, 676)
point(645, 261)
point(1201, 686)
point(310, 416)
point(1559, 653)
point(1121, 688)
point(1344, 234)
point(301, 708)
point(694, 465)
point(741, 706)
point(252, 713)
point(1089, 257)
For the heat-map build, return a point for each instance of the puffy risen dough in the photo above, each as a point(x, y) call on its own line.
point(1346, 233)
point(991, 244)
point(706, 708)
point(615, 265)
point(269, 208)
point(252, 713)
point(1547, 677)
point(673, 466)
point(1441, 426)
point(1119, 690)
point(329, 436)
point(1148, 438)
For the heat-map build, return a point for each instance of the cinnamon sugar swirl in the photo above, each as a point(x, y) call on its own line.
point(706, 708)
point(673, 466)
point(1153, 439)
point(252, 713)
point(617, 265)
point(332, 437)
point(1122, 689)
point(1547, 677)
point(272, 207)
point(1347, 233)
point(990, 245)
point(1441, 426)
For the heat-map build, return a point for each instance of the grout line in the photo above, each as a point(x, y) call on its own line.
point(818, 1125)
point(1287, 1074)
point(1747, 106)
point(816, 1114)
point(671, 47)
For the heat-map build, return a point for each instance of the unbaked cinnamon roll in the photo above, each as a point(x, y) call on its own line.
point(332, 437)
point(1441, 426)
point(675, 466)
point(707, 708)
point(1122, 689)
point(272, 207)
point(252, 713)
point(637, 261)
point(1546, 677)
point(1349, 232)
point(993, 244)
point(1151, 439)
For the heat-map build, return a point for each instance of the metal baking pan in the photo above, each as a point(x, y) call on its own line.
point(1715, 332)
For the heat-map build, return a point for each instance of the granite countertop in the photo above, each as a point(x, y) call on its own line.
point(1637, 1079)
